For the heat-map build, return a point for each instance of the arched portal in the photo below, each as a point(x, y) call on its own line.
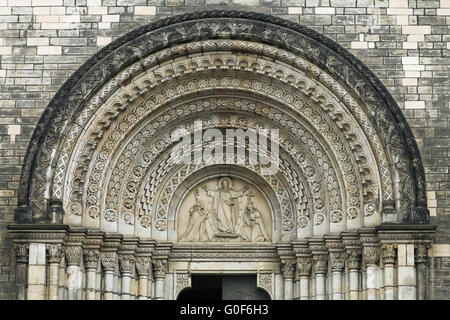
point(100, 167)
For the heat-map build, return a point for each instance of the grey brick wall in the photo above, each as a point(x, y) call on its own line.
point(406, 44)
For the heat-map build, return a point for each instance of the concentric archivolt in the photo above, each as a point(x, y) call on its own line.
point(341, 122)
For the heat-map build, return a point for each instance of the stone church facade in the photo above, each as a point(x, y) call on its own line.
point(350, 98)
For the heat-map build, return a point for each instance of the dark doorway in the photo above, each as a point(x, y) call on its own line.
point(223, 287)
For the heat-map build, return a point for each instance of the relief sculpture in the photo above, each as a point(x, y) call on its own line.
point(224, 212)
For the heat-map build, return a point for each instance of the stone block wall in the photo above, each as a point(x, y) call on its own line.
point(406, 43)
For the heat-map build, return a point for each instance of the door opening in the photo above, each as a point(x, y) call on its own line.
point(223, 287)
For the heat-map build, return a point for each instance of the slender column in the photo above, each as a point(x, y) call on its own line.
point(143, 265)
point(319, 267)
point(389, 255)
point(126, 263)
point(421, 255)
point(354, 264)
point(161, 268)
point(337, 259)
point(371, 256)
point(21, 250)
point(337, 263)
point(54, 254)
point(304, 265)
point(288, 270)
point(73, 258)
point(108, 263)
point(91, 257)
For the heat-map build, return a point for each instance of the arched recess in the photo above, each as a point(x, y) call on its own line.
point(342, 134)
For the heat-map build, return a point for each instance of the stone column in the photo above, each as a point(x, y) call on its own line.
point(161, 267)
point(143, 265)
point(371, 256)
point(388, 255)
point(304, 265)
point(54, 254)
point(108, 263)
point(21, 250)
point(91, 257)
point(288, 270)
point(354, 265)
point(320, 266)
point(337, 259)
point(73, 259)
point(126, 263)
point(337, 263)
point(421, 255)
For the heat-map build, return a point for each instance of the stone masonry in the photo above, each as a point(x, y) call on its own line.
point(406, 43)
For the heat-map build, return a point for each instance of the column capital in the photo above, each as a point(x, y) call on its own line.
point(126, 262)
point(21, 249)
point(371, 255)
point(304, 265)
point(421, 252)
point(337, 260)
point(109, 260)
point(143, 265)
point(288, 268)
point(354, 257)
point(54, 252)
point(91, 256)
point(161, 266)
point(320, 263)
point(73, 255)
point(388, 253)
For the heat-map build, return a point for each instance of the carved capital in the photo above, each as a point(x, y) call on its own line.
point(371, 255)
point(354, 258)
point(320, 263)
point(73, 255)
point(126, 263)
point(143, 265)
point(337, 259)
point(288, 268)
point(109, 261)
point(54, 253)
point(388, 253)
point(304, 265)
point(21, 250)
point(161, 267)
point(421, 252)
point(91, 257)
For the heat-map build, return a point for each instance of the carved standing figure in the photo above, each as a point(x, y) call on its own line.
point(199, 226)
point(251, 227)
point(225, 207)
